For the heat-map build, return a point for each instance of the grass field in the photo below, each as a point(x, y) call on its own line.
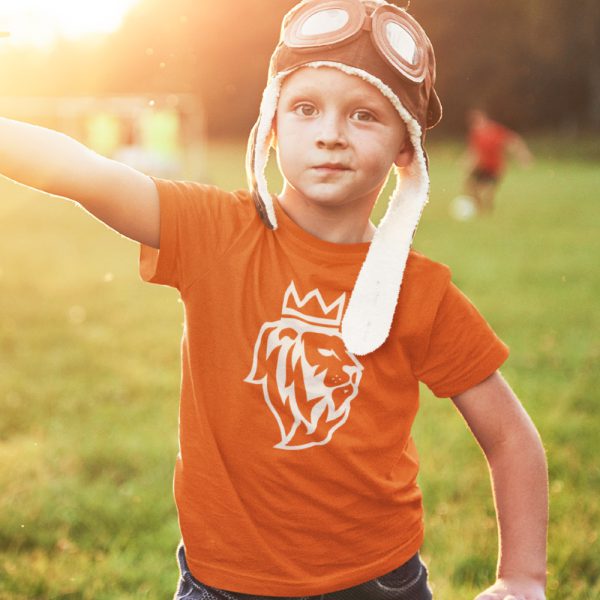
point(89, 376)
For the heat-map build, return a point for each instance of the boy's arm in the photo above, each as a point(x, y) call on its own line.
point(517, 463)
point(123, 198)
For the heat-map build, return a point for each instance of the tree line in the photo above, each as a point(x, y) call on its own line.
point(534, 64)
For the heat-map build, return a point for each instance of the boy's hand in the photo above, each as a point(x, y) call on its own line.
point(514, 589)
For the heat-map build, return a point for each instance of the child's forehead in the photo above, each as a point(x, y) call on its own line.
point(317, 80)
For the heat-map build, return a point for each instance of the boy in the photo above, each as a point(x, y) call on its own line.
point(301, 357)
point(488, 143)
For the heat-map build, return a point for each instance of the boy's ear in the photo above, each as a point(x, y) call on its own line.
point(406, 154)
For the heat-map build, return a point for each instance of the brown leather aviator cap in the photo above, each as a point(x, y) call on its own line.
point(379, 38)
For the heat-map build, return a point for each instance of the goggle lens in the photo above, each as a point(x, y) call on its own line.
point(402, 42)
point(324, 22)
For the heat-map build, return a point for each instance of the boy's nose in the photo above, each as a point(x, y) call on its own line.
point(331, 134)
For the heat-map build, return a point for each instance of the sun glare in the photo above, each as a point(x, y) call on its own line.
point(41, 22)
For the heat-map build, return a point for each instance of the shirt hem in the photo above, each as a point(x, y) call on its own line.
point(246, 584)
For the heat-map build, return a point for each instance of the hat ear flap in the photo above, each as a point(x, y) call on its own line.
point(257, 154)
point(252, 177)
point(368, 319)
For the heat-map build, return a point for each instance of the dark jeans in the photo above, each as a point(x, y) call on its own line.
point(407, 582)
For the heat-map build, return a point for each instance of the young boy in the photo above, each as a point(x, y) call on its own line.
point(307, 330)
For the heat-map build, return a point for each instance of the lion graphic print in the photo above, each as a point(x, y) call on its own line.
point(308, 378)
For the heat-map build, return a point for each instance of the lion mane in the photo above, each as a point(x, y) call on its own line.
point(308, 379)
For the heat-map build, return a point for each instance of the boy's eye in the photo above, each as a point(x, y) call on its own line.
point(305, 110)
point(363, 115)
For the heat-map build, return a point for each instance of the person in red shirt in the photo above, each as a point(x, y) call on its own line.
point(488, 144)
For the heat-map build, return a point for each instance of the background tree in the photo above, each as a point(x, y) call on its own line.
point(535, 64)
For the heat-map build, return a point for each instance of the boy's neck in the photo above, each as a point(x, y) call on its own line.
point(338, 225)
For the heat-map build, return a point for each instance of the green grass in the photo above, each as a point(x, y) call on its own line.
point(89, 377)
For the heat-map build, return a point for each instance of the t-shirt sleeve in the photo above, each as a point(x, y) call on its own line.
point(197, 223)
point(462, 349)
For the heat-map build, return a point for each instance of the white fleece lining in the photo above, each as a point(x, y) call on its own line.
point(368, 318)
point(268, 107)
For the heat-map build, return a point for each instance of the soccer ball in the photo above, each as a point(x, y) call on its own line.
point(462, 208)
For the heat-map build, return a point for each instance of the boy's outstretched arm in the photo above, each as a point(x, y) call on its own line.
point(517, 462)
point(123, 198)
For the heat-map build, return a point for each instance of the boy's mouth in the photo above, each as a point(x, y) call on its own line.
point(325, 167)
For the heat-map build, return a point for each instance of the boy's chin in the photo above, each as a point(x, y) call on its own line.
point(324, 194)
point(328, 200)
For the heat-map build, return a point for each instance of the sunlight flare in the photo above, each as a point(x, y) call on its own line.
point(40, 23)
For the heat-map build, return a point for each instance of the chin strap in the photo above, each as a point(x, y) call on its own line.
point(257, 154)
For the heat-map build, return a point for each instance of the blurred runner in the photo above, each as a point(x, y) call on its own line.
point(488, 144)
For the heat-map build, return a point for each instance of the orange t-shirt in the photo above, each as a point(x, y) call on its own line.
point(488, 143)
point(297, 471)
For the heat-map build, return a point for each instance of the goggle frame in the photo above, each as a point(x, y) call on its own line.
point(359, 20)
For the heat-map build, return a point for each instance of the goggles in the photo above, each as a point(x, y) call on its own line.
point(398, 38)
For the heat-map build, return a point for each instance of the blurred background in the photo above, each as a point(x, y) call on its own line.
point(89, 391)
point(535, 64)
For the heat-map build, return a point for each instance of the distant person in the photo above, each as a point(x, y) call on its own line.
point(150, 162)
point(488, 145)
point(308, 329)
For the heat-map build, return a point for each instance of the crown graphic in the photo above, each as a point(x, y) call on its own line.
point(313, 308)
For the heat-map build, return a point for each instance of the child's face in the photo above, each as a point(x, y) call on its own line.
point(337, 138)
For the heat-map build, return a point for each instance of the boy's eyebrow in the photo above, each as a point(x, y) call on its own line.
point(358, 97)
point(303, 90)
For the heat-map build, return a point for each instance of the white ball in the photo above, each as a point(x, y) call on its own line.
point(462, 208)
